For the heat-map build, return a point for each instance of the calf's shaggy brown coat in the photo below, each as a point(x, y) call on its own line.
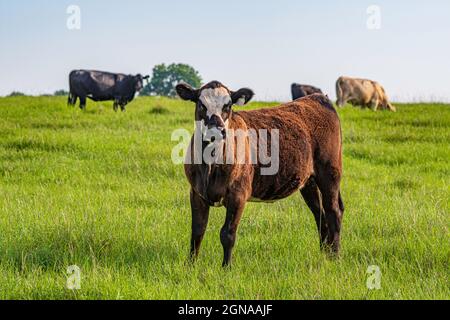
point(310, 160)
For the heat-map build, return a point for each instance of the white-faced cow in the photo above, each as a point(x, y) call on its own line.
point(104, 86)
point(309, 151)
point(362, 92)
point(303, 90)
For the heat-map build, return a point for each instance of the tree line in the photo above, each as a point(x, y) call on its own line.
point(162, 83)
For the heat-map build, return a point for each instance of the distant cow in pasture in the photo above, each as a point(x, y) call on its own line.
point(362, 92)
point(104, 86)
point(303, 90)
point(305, 142)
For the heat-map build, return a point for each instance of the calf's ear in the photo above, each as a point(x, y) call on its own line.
point(242, 96)
point(186, 92)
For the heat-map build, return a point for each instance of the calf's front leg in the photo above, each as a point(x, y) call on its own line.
point(235, 207)
point(200, 214)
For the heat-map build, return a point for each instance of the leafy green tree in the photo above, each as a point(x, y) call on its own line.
point(165, 78)
point(61, 92)
point(16, 94)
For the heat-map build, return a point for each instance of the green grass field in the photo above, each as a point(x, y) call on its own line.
point(98, 189)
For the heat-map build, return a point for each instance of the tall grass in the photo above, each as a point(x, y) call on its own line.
point(97, 189)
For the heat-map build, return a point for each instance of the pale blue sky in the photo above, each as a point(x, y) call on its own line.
point(265, 45)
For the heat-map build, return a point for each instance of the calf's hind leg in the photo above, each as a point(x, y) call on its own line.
point(313, 198)
point(328, 182)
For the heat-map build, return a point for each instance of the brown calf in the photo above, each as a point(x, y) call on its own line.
point(309, 158)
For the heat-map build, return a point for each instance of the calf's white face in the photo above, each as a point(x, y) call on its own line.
point(213, 105)
point(217, 103)
point(214, 100)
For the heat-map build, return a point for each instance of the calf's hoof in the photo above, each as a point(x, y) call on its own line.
point(331, 250)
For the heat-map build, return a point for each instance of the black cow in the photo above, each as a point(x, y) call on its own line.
point(303, 90)
point(103, 86)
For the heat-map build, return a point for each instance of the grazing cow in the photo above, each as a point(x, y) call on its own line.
point(362, 92)
point(309, 159)
point(104, 86)
point(303, 90)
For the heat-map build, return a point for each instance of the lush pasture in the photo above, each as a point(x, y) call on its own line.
point(98, 189)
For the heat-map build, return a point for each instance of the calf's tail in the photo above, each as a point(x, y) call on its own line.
point(341, 203)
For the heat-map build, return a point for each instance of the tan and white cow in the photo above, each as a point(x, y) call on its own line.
point(362, 92)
